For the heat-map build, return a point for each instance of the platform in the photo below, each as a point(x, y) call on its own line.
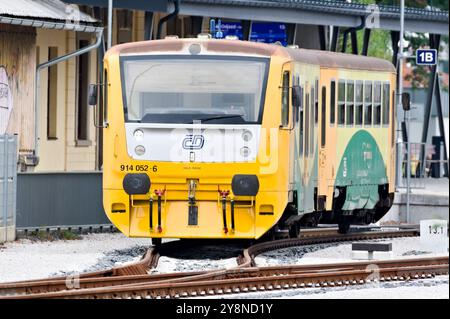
point(429, 202)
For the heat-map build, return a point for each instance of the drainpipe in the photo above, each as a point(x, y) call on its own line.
point(167, 18)
point(99, 36)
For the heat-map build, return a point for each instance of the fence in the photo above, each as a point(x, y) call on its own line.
point(60, 200)
point(433, 166)
point(8, 184)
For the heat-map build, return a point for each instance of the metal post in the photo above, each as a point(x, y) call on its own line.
point(437, 93)
point(408, 113)
point(366, 40)
point(148, 25)
point(110, 24)
point(334, 39)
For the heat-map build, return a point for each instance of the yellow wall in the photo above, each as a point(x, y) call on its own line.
point(63, 154)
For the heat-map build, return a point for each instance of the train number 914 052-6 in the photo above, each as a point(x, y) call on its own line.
point(138, 168)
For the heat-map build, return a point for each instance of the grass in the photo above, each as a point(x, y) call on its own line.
point(44, 235)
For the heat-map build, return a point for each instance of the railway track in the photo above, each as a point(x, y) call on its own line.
point(120, 281)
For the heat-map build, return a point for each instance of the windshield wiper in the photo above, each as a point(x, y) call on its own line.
point(219, 117)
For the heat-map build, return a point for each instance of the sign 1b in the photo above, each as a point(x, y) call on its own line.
point(426, 57)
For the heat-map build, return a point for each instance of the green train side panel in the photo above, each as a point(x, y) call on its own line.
point(362, 169)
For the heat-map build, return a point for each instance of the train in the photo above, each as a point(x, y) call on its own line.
point(229, 139)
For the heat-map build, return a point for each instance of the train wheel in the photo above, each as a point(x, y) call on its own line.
point(156, 242)
point(294, 230)
point(344, 227)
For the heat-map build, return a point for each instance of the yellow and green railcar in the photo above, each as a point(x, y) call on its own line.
point(211, 138)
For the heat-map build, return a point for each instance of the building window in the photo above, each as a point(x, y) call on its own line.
point(332, 102)
point(386, 106)
point(52, 95)
point(359, 103)
point(368, 104)
point(341, 103)
point(175, 27)
point(285, 100)
point(124, 26)
point(82, 93)
point(377, 103)
point(350, 102)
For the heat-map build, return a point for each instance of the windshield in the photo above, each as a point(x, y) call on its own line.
point(209, 89)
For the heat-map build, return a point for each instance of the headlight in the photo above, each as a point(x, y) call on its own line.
point(136, 184)
point(139, 150)
point(138, 135)
point(245, 151)
point(247, 135)
point(245, 185)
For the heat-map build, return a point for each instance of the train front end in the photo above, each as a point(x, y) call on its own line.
point(192, 148)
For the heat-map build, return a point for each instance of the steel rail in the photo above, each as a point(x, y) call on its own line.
point(268, 278)
point(137, 273)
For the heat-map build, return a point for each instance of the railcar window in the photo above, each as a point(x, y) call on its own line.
point(312, 115)
point(368, 104)
point(332, 102)
point(386, 106)
point(393, 121)
point(285, 100)
point(213, 89)
point(341, 103)
point(307, 125)
point(350, 102)
point(323, 116)
point(301, 124)
point(377, 103)
point(295, 110)
point(316, 103)
point(359, 99)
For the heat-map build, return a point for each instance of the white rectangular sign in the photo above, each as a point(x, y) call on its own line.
point(434, 235)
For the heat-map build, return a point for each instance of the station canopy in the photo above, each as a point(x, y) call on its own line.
point(314, 12)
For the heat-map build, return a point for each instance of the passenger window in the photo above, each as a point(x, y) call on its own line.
point(359, 103)
point(332, 102)
point(386, 106)
point(316, 103)
point(324, 121)
point(294, 97)
point(377, 103)
point(285, 100)
point(368, 104)
point(312, 116)
point(350, 102)
point(341, 103)
point(307, 125)
point(392, 117)
point(301, 124)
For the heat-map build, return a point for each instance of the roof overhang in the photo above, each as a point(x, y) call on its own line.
point(48, 14)
point(149, 5)
point(303, 16)
point(37, 23)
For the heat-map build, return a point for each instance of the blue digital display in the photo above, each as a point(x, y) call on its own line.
point(232, 28)
point(269, 32)
point(220, 29)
